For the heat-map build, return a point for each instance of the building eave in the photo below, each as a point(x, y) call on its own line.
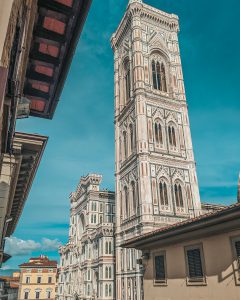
point(29, 149)
point(213, 223)
point(44, 89)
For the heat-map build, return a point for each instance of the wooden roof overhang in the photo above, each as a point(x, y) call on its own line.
point(28, 150)
point(57, 29)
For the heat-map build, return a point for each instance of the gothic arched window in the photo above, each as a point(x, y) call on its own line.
point(159, 76)
point(134, 196)
point(172, 136)
point(127, 79)
point(131, 137)
point(163, 78)
point(126, 202)
point(163, 193)
point(125, 144)
point(158, 133)
point(178, 195)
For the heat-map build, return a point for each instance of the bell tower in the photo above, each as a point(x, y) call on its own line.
point(156, 181)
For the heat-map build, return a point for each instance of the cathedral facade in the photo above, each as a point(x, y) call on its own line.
point(156, 181)
point(87, 261)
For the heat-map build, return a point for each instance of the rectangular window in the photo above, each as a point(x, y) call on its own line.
point(39, 280)
point(160, 269)
point(49, 279)
point(237, 247)
point(48, 294)
point(37, 295)
point(27, 279)
point(26, 295)
point(195, 267)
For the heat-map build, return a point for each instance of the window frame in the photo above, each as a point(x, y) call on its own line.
point(195, 281)
point(155, 281)
point(236, 261)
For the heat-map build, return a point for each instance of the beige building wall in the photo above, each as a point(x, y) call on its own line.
point(31, 285)
point(221, 270)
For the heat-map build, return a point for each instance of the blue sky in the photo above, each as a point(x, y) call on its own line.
point(82, 132)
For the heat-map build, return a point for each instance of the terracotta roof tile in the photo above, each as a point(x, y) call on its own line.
point(184, 223)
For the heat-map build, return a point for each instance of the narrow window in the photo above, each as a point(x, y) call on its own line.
point(159, 85)
point(106, 290)
point(165, 193)
point(125, 144)
point(158, 133)
point(131, 138)
point(237, 247)
point(176, 195)
point(110, 273)
point(170, 136)
point(106, 272)
point(26, 295)
point(109, 248)
point(39, 280)
point(180, 196)
point(48, 294)
point(110, 290)
point(195, 268)
point(27, 279)
point(49, 279)
point(161, 193)
point(127, 81)
point(173, 137)
point(154, 75)
point(37, 295)
point(133, 195)
point(160, 272)
point(163, 79)
point(126, 201)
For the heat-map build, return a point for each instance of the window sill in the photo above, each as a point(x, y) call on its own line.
point(196, 282)
point(162, 283)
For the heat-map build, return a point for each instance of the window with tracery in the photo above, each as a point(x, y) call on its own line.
point(172, 136)
point(158, 134)
point(163, 193)
point(159, 75)
point(178, 195)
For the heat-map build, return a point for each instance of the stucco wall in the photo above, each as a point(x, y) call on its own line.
point(221, 272)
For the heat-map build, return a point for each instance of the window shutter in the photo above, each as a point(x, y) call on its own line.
point(160, 268)
point(237, 246)
point(195, 263)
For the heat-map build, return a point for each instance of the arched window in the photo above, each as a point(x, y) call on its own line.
point(106, 248)
point(110, 272)
point(125, 144)
point(127, 78)
point(109, 247)
point(163, 193)
point(134, 196)
point(106, 272)
point(158, 133)
point(106, 290)
point(126, 202)
point(163, 78)
point(178, 195)
point(172, 136)
point(131, 138)
point(110, 290)
point(159, 76)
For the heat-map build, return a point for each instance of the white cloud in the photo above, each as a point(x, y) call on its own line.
point(19, 247)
